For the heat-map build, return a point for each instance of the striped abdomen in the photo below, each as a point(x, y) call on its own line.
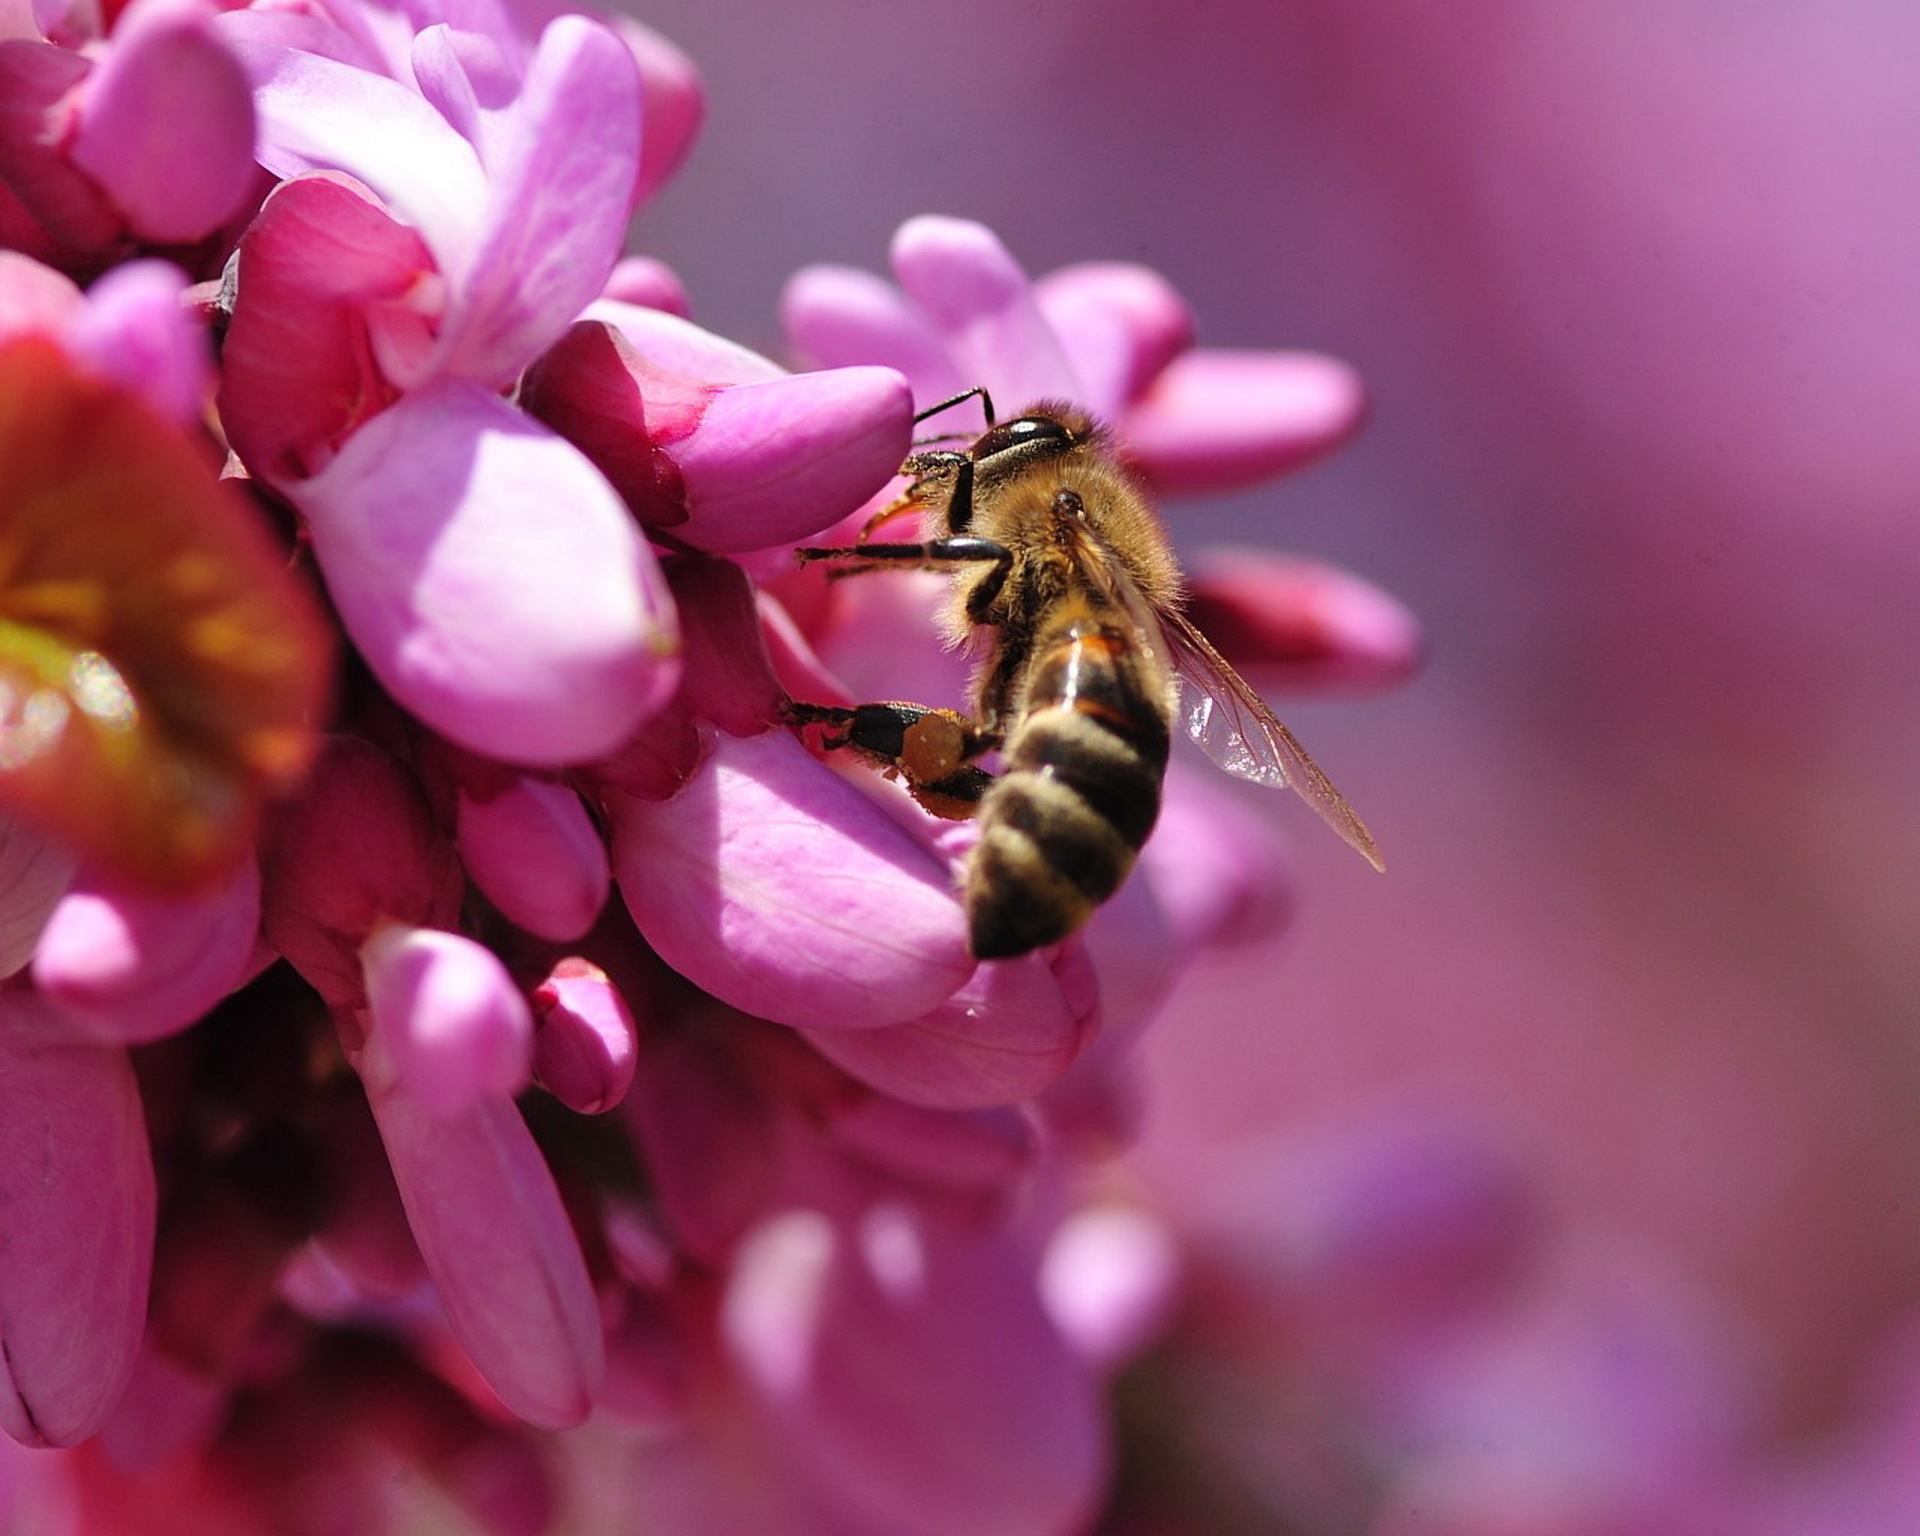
point(1080, 792)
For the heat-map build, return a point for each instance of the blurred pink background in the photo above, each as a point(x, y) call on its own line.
point(1633, 286)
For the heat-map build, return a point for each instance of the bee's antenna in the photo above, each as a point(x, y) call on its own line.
point(986, 409)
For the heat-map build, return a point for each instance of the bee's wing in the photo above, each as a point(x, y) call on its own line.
point(1235, 728)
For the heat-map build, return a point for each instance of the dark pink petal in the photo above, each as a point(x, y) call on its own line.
point(535, 854)
point(774, 462)
point(982, 306)
point(534, 640)
point(1110, 1278)
point(357, 850)
point(648, 283)
point(587, 1046)
point(449, 1026)
point(76, 1227)
point(128, 965)
point(1006, 1035)
point(777, 886)
point(707, 1137)
point(322, 267)
point(980, 1152)
point(67, 210)
point(1301, 624)
point(1120, 324)
point(490, 1225)
point(166, 123)
point(841, 317)
point(34, 874)
point(671, 97)
point(912, 1374)
point(1220, 421)
point(136, 331)
point(362, 1239)
point(560, 164)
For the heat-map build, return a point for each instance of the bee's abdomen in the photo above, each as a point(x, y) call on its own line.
point(1081, 791)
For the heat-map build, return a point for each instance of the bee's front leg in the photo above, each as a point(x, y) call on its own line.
point(931, 749)
point(933, 555)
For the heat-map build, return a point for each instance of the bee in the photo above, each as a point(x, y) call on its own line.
point(1064, 582)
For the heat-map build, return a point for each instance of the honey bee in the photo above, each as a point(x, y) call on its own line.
point(1064, 582)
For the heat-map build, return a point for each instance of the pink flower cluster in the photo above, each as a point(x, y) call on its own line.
point(393, 1137)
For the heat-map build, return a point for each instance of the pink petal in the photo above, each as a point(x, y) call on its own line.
point(837, 317)
point(449, 1026)
point(166, 123)
point(774, 884)
point(1220, 421)
point(587, 1046)
point(645, 282)
point(356, 851)
point(76, 1249)
point(35, 300)
point(673, 345)
point(34, 875)
point(127, 965)
point(320, 266)
point(1120, 324)
point(535, 854)
point(1220, 871)
point(911, 1373)
point(320, 114)
point(982, 1152)
point(1302, 624)
point(560, 167)
point(1006, 1035)
point(774, 462)
point(1110, 1278)
point(136, 330)
point(981, 304)
point(674, 103)
point(495, 1237)
point(534, 640)
point(362, 1236)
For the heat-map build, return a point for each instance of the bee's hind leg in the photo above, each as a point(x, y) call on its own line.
point(933, 750)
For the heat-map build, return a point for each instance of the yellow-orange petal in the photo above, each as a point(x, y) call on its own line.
point(161, 669)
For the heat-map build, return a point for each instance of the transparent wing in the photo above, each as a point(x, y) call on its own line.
point(1234, 727)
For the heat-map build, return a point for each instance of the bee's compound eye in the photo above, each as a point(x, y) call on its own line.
point(1023, 433)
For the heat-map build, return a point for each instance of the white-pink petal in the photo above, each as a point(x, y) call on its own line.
point(535, 854)
point(492, 579)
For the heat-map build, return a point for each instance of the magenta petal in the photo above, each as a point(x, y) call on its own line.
point(34, 875)
point(1221, 421)
point(127, 965)
point(1120, 324)
point(912, 1373)
point(35, 299)
point(673, 345)
point(983, 308)
point(1006, 1035)
point(672, 99)
point(777, 886)
point(166, 123)
point(775, 462)
point(532, 639)
point(448, 1023)
point(1221, 872)
point(76, 1228)
point(648, 283)
point(838, 317)
point(536, 855)
point(495, 1237)
point(1302, 624)
point(137, 332)
point(587, 1046)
